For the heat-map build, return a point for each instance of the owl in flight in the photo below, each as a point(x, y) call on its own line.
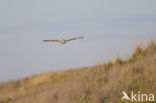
point(62, 41)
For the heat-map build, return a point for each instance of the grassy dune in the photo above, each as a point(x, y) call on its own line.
point(101, 83)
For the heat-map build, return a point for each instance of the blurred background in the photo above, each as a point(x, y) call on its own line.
point(111, 28)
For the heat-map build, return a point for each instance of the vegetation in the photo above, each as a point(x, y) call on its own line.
point(102, 83)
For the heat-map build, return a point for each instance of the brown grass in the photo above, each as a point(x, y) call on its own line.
point(102, 83)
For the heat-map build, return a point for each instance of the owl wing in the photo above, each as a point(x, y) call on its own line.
point(51, 40)
point(74, 38)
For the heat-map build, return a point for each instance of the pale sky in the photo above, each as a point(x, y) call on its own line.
point(111, 28)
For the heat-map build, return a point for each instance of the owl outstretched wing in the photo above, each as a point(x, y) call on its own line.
point(74, 38)
point(51, 40)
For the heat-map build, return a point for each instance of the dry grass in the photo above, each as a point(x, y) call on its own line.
point(102, 83)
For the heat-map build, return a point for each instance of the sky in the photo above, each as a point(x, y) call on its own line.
point(110, 28)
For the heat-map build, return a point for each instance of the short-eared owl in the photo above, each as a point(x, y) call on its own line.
point(62, 41)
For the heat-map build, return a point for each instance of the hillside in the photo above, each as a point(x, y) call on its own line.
point(101, 83)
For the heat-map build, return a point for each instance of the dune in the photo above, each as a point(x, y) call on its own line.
point(103, 83)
